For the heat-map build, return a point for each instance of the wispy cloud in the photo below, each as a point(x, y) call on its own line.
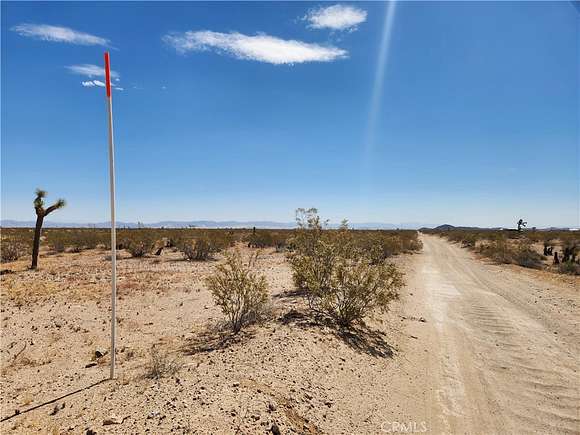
point(46, 32)
point(100, 84)
point(261, 47)
point(92, 83)
point(91, 71)
point(337, 17)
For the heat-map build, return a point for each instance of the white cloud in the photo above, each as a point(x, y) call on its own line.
point(91, 71)
point(261, 48)
point(46, 32)
point(98, 83)
point(337, 17)
point(92, 83)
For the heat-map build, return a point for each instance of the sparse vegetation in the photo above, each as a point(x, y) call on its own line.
point(196, 250)
point(528, 248)
point(11, 250)
point(162, 364)
point(357, 290)
point(238, 291)
point(343, 280)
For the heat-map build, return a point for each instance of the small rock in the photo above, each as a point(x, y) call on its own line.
point(308, 396)
point(275, 429)
point(271, 406)
point(153, 414)
point(99, 353)
point(113, 419)
point(91, 364)
point(90, 431)
point(422, 319)
point(55, 410)
point(236, 384)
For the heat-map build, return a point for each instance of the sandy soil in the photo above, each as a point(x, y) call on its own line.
point(469, 348)
point(504, 344)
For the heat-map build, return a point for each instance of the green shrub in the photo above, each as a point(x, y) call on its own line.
point(357, 290)
point(345, 277)
point(240, 293)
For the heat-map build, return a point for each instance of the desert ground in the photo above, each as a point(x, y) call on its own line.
point(469, 347)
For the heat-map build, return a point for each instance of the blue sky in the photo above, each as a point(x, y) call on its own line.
point(457, 112)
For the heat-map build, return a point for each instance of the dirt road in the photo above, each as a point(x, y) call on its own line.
point(502, 346)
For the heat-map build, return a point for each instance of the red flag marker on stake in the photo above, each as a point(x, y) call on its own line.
point(113, 229)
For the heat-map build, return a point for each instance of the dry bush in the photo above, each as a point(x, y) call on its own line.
point(238, 291)
point(342, 281)
point(524, 255)
point(138, 242)
point(498, 250)
point(11, 250)
point(569, 268)
point(202, 246)
point(196, 250)
point(267, 239)
point(162, 364)
point(77, 240)
point(219, 240)
point(139, 248)
point(380, 245)
point(357, 290)
point(521, 253)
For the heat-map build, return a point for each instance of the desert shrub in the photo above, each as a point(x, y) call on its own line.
point(342, 280)
point(261, 239)
point(238, 291)
point(521, 253)
point(497, 250)
point(357, 290)
point(138, 248)
point(219, 240)
point(140, 245)
point(525, 256)
point(313, 270)
point(379, 245)
point(469, 240)
point(11, 250)
point(569, 268)
point(196, 250)
point(266, 239)
point(315, 250)
point(77, 240)
point(162, 364)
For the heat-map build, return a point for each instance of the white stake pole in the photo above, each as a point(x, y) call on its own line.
point(113, 229)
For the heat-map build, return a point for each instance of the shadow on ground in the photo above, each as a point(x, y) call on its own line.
point(361, 338)
point(215, 337)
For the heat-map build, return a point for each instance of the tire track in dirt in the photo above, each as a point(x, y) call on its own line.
point(503, 370)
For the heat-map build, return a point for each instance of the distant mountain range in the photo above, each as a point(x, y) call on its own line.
point(7, 223)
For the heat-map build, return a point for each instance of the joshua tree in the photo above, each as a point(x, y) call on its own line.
point(41, 213)
point(521, 224)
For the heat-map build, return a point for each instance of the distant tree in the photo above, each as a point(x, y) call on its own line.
point(41, 213)
point(521, 224)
